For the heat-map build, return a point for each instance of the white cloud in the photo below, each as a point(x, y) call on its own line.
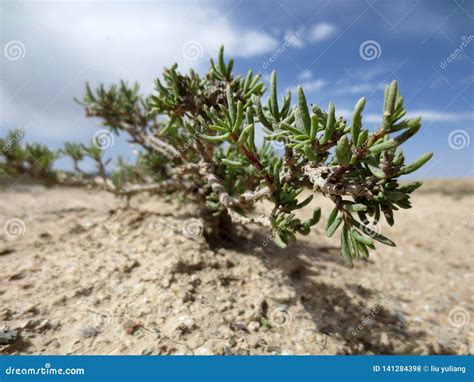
point(70, 43)
point(436, 116)
point(321, 31)
point(372, 117)
point(117, 33)
point(369, 73)
point(368, 117)
point(305, 75)
point(426, 115)
point(312, 85)
point(294, 38)
point(356, 88)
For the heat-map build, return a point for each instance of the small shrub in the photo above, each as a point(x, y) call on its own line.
point(196, 137)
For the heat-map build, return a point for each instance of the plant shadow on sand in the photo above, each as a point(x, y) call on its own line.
point(342, 312)
point(357, 311)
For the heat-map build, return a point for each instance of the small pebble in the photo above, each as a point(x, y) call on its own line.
point(147, 351)
point(254, 326)
point(8, 336)
point(88, 331)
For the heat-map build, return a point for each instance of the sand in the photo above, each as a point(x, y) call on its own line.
point(81, 274)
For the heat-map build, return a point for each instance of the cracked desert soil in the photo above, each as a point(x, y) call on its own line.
point(79, 274)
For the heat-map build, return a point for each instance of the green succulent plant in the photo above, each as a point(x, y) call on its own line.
point(196, 136)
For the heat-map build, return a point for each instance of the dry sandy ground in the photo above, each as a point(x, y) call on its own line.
point(81, 275)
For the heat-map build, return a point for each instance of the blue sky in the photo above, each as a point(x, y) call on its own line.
point(337, 50)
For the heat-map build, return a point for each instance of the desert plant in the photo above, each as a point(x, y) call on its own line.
point(196, 137)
